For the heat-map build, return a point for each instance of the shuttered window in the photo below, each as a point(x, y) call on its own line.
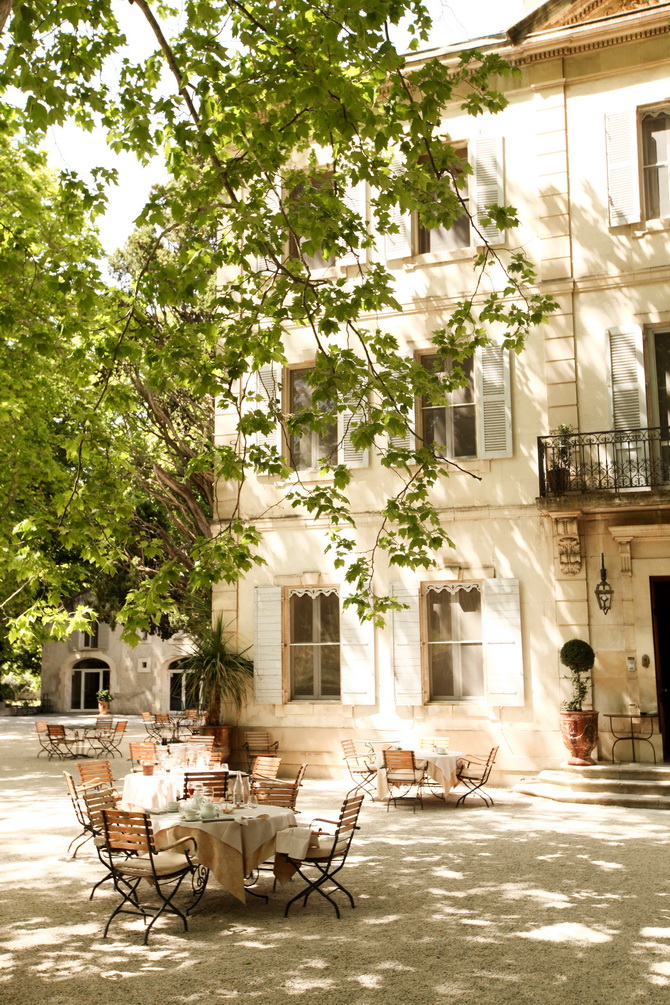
point(314, 644)
point(454, 646)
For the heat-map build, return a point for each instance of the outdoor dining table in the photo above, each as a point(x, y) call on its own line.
point(231, 848)
point(442, 768)
point(79, 732)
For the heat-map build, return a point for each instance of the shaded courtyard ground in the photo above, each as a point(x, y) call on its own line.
point(529, 901)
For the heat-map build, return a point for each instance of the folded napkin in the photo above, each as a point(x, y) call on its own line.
point(294, 841)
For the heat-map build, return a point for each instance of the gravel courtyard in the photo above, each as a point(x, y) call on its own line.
point(527, 902)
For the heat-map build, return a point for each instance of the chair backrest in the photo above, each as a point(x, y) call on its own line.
point(213, 783)
point(104, 722)
point(95, 772)
point(490, 761)
point(349, 748)
point(399, 760)
point(202, 740)
point(42, 726)
point(75, 796)
point(142, 753)
point(259, 742)
point(163, 718)
point(56, 731)
point(128, 832)
point(96, 802)
point(147, 717)
point(280, 793)
point(120, 727)
point(428, 742)
point(346, 825)
point(265, 767)
point(192, 713)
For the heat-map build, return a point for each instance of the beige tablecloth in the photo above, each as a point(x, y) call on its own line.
point(231, 849)
point(442, 768)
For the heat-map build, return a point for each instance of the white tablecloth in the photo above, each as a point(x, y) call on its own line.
point(151, 792)
point(231, 849)
point(442, 768)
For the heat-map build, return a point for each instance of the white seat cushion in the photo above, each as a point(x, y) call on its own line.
point(165, 862)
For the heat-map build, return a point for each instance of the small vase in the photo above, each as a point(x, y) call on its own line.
point(103, 707)
point(579, 731)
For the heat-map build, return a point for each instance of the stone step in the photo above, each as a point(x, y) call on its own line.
point(641, 785)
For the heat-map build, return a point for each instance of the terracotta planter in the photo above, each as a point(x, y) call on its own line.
point(221, 736)
point(103, 707)
point(147, 769)
point(579, 731)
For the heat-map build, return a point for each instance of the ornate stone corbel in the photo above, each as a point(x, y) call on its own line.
point(568, 541)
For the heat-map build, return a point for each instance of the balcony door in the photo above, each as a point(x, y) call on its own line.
point(660, 605)
point(88, 677)
point(659, 400)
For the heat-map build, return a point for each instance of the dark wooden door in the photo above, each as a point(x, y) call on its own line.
point(660, 610)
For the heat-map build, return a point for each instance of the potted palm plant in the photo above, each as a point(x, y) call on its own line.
point(579, 727)
point(216, 674)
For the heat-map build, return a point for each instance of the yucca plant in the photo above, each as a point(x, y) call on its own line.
point(215, 672)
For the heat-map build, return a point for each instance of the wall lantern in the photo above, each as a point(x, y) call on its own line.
point(603, 590)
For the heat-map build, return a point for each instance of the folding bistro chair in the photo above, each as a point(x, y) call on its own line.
point(279, 792)
point(141, 754)
point(76, 793)
point(165, 869)
point(213, 783)
point(402, 772)
point(96, 773)
point(474, 772)
point(97, 738)
point(153, 732)
point(63, 742)
point(47, 745)
point(258, 743)
point(113, 742)
point(329, 857)
point(97, 800)
point(362, 769)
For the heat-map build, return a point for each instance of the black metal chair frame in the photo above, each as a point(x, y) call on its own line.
point(125, 877)
point(328, 867)
point(96, 799)
point(112, 743)
point(362, 772)
point(406, 785)
point(76, 792)
point(474, 772)
point(45, 741)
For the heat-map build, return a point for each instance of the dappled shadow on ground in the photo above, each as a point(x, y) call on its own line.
point(525, 902)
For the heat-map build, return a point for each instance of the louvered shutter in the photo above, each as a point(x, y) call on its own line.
point(260, 262)
point(357, 657)
point(268, 680)
point(487, 166)
point(629, 410)
point(503, 654)
point(623, 179)
point(103, 636)
point(406, 628)
point(346, 452)
point(268, 386)
point(494, 402)
point(355, 199)
point(399, 245)
point(74, 642)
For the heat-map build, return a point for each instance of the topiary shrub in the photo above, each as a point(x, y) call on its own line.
point(579, 657)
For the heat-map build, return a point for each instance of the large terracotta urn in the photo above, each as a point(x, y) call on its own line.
point(221, 736)
point(579, 731)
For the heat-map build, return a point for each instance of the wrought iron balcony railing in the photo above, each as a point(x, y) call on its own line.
point(612, 460)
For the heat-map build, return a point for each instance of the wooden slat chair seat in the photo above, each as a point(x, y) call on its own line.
point(329, 857)
point(279, 792)
point(212, 783)
point(141, 754)
point(265, 767)
point(132, 856)
point(403, 772)
point(361, 768)
point(474, 772)
point(259, 743)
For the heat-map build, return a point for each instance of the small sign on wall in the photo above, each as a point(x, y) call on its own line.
point(143, 665)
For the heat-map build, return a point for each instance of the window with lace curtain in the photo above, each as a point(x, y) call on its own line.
point(314, 643)
point(454, 641)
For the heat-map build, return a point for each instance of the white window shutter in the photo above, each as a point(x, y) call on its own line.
point(406, 627)
point(399, 245)
point(355, 199)
point(494, 401)
point(346, 452)
point(260, 263)
point(74, 642)
point(268, 678)
point(269, 388)
point(623, 177)
point(357, 658)
point(503, 654)
point(629, 408)
point(487, 166)
point(103, 636)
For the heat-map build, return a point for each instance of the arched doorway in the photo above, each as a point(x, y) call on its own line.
point(88, 677)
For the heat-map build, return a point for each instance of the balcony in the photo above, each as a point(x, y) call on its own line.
point(616, 460)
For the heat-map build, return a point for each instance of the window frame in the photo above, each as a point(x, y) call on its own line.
point(317, 696)
point(421, 234)
point(315, 438)
point(419, 356)
point(643, 112)
point(451, 587)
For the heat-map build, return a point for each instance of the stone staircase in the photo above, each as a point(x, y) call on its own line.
point(644, 786)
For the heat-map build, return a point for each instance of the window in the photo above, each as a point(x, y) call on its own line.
point(306, 200)
point(178, 697)
point(448, 238)
point(308, 448)
point(455, 663)
point(89, 640)
point(452, 427)
point(314, 643)
point(655, 130)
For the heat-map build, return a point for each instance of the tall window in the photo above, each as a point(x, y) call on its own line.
point(178, 697)
point(656, 163)
point(314, 644)
point(448, 238)
point(311, 446)
point(451, 427)
point(89, 640)
point(454, 645)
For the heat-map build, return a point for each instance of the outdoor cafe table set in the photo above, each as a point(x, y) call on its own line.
point(441, 765)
